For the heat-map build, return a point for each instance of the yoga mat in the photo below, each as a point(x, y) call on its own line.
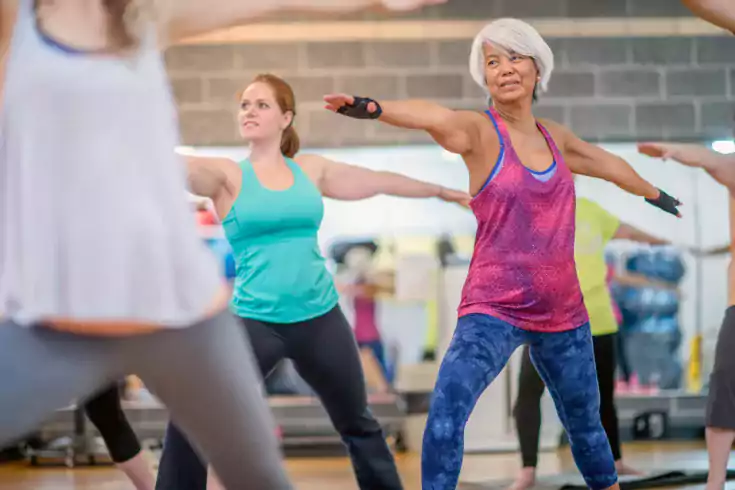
point(574, 481)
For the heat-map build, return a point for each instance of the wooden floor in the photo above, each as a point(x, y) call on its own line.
point(335, 473)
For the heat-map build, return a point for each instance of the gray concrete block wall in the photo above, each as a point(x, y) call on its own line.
point(605, 89)
point(485, 9)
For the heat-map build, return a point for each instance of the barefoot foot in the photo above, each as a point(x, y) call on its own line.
point(525, 479)
point(623, 469)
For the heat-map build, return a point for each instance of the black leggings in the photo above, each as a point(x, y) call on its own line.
point(527, 411)
point(106, 413)
point(325, 355)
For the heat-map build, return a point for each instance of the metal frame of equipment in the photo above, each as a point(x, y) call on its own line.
point(302, 419)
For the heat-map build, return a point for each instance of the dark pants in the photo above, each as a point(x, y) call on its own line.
point(527, 411)
point(106, 413)
point(721, 395)
point(325, 354)
point(623, 363)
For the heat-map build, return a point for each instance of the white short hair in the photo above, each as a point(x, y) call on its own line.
point(515, 36)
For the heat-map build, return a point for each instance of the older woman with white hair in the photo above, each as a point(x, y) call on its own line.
point(522, 286)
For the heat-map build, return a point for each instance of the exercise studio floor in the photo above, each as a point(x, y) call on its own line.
point(335, 473)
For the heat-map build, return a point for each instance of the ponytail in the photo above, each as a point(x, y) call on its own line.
point(290, 142)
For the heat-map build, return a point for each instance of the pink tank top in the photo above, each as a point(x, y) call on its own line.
point(522, 269)
point(366, 328)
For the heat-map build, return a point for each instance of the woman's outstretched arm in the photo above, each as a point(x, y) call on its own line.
point(195, 17)
point(351, 183)
point(456, 131)
point(718, 12)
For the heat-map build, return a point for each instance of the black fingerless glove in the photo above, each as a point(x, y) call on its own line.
point(359, 109)
point(666, 203)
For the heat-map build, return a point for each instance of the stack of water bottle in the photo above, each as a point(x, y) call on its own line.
point(646, 292)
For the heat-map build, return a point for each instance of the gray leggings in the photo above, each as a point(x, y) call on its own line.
point(204, 374)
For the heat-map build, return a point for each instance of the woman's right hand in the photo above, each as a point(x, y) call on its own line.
point(686, 154)
point(401, 5)
point(656, 150)
point(456, 131)
point(335, 102)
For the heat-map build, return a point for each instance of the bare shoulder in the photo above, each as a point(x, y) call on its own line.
point(308, 159)
point(8, 15)
point(471, 117)
point(214, 162)
point(313, 165)
point(479, 126)
point(220, 164)
point(560, 133)
point(553, 126)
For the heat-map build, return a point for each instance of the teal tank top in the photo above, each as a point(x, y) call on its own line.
point(281, 276)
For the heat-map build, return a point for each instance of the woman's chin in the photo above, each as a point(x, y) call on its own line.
point(514, 96)
point(510, 99)
point(249, 136)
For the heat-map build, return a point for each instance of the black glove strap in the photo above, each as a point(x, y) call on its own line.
point(359, 109)
point(665, 202)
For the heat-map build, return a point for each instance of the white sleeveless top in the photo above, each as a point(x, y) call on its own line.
point(95, 222)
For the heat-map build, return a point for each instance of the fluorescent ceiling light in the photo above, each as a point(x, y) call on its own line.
point(724, 146)
point(186, 150)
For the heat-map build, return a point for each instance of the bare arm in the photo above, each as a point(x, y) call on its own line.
point(8, 14)
point(587, 159)
point(720, 167)
point(350, 183)
point(721, 250)
point(628, 232)
point(207, 177)
point(380, 282)
point(718, 12)
point(362, 290)
point(456, 131)
point(194, 17)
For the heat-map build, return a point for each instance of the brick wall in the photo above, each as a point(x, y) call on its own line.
point(605, 89)
point(473, 9)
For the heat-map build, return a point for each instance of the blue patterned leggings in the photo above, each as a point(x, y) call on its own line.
point(480, 348)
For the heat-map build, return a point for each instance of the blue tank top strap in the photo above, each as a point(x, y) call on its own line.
point(502, 136)
point(28, 20)
point(500, 128)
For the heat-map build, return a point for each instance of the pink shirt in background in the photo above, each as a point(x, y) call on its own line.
point(366, 328)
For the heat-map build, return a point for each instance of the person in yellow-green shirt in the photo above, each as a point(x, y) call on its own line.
point(595, 227)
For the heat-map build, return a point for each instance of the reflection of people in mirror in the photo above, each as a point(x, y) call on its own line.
point(363, 288)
